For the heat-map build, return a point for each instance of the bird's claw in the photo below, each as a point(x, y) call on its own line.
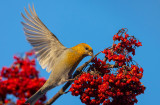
point(69, 80)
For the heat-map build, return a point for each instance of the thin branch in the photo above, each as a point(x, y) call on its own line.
point(63, 89)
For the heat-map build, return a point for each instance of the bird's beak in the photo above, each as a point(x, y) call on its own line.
point(90, 53)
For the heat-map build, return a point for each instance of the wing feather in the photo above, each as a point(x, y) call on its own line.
point(31, 26)
point(47, 46)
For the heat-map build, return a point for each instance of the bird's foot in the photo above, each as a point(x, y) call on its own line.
point(69, 80)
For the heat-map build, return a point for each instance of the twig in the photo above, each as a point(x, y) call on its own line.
point(62, 90)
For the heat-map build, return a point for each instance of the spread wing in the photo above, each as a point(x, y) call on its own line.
point(46, 45)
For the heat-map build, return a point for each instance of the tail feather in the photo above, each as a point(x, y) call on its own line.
point(47, 86)
point(33, 99)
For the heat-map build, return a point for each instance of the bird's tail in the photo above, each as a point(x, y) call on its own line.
point(33, 99)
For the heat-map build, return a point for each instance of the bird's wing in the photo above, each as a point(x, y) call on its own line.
point(47, 46)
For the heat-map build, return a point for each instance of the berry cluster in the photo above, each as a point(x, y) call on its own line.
point(119, 53)
point(114, 80)
point(20, 80)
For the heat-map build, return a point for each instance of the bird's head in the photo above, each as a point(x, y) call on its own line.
point(83, 49)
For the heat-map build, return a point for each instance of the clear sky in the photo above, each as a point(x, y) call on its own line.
point(93, 22)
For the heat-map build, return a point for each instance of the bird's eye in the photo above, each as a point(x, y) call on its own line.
point(86, 48)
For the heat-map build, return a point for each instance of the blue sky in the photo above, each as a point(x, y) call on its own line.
point(93, 22)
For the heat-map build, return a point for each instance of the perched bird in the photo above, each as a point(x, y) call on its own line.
point(51, 54)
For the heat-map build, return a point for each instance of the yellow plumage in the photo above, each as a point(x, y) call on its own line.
point(51, 54)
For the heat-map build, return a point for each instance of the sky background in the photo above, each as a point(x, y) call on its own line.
point(93, 22)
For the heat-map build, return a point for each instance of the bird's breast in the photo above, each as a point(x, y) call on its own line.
point(65, 66)
point(73, 58)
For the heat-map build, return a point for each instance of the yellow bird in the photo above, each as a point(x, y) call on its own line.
point(51, 54)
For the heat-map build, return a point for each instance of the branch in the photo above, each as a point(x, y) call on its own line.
point(62, 90)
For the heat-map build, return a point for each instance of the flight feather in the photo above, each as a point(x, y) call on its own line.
point(46, 45)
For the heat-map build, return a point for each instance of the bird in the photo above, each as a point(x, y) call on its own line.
point(51, 54)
